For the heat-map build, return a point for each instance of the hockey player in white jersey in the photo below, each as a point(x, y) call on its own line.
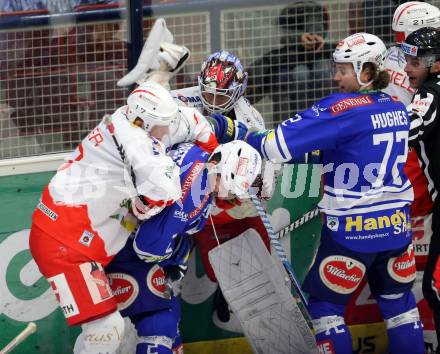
point(84, 216)
point(407, 18)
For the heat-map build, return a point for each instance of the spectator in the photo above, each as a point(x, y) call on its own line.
point(296, 74)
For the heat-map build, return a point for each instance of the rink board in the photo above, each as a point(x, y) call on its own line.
point(25, 295)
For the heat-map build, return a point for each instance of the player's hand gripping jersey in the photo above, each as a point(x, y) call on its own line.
point(100, 186)
point(364, 142)
point(164, 240)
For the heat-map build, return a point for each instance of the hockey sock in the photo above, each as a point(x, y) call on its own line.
point(404, 328)
point(332, 334)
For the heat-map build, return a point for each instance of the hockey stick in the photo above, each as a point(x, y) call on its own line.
point(31, 328)
point(277, 246)
point(310, 215)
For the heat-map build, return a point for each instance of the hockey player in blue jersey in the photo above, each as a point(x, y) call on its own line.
point(362, 134)
point(141, 274)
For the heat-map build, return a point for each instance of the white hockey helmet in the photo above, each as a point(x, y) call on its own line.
point(413, 15)
point(359, 49)
point(238, 164)
point(153, 104)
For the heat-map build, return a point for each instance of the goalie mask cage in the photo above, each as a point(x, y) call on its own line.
point(58, 72)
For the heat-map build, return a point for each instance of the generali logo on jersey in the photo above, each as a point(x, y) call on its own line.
point(124, 288)
point(348, 103)
point(403, 268)
point(341, 274)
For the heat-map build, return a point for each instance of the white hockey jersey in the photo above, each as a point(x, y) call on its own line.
point(398, 88)
point(86, 204)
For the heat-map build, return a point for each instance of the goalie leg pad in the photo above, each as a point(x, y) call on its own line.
point(331, 333)
point(256, 290)
point(404, 328)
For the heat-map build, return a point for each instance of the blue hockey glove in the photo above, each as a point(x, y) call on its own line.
point(227, 129)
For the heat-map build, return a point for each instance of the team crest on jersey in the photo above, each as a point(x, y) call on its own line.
point(317, 109)
point(333, 223)
point(341, 274)
point(403, 267)
point(157, 282)
point(86, 238)
point(125, 289)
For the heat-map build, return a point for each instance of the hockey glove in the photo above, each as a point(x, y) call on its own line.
point(226, 129)
point(175, 56)
point(143, 208)
point(175, 272)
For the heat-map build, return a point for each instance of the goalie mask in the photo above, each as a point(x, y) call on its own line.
point(238, 164)
point(222, 82)
point(153, 104)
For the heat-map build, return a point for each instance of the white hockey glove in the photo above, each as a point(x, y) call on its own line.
point(175, 56)
point(170, 59)
point(159, 60)
point(144, 209)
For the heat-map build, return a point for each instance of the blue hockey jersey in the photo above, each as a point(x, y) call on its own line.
point(157, 238)
point(363, 138)
point(137, 272)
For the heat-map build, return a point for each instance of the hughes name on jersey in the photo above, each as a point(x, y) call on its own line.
point(164, 240)
point(363, 138)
